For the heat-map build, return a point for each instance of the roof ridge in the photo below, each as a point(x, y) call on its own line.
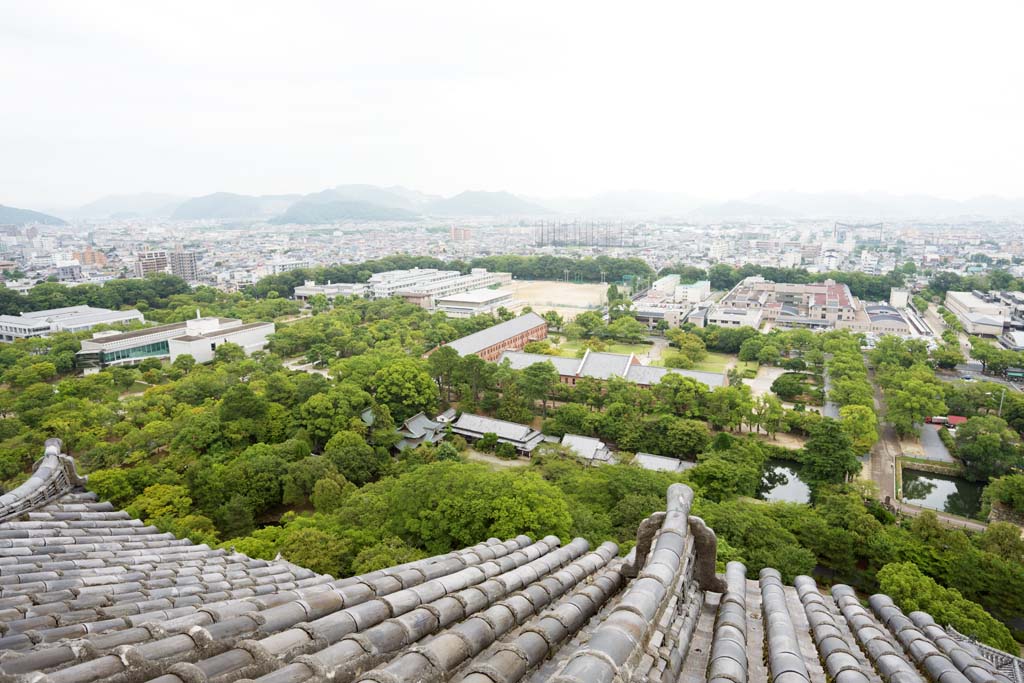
point(52, 476)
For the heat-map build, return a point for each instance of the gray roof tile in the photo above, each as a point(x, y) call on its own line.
point(83, 598)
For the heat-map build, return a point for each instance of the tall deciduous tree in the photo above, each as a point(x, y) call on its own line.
point(829, 453)
point(987, 447)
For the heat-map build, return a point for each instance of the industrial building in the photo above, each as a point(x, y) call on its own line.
point(443, 284)
point(198, 337)
point(825, 305)
point(511, 335)
point(979, 313)
point(69, 319)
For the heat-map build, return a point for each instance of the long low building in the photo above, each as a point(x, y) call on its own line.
point(604, 366)
point(983, 316)
point(511, 335)
point(475, 302)
point(474, 427)
point(198, 337)
point(68, 319)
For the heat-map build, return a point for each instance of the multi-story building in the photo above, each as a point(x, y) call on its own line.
point(198, 337)
point(69, 319)
point(91, 257)
point(184, 264)
point(423, 286)
point(147, 262)
point(278, 266)
point(331, 290)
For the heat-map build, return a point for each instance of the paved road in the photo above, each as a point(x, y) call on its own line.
point(830, 409)
point(884, 453)
point(934, 449)
point(301, 364)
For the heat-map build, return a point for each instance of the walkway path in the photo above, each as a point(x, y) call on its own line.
point(883, 471)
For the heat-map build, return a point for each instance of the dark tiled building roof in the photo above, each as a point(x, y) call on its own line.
point(89, 594)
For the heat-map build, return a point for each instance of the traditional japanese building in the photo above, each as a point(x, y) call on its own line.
point(87, 593)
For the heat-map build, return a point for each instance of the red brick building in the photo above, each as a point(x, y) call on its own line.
point(511, 335)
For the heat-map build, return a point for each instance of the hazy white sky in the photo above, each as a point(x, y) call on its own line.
point(713, 99)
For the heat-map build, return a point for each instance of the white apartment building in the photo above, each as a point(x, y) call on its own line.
point(278, 266)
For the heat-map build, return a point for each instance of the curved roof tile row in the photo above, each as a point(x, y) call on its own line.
point(89, 594)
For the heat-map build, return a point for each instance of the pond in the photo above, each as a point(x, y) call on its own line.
point(954, 495)
point(781, 482)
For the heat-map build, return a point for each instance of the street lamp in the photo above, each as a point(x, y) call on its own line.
point(1001, 397)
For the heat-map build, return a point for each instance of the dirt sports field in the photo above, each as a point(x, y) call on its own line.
point(568, 298)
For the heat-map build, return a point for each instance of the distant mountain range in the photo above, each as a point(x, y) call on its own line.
point(373, 203)
point(144, 205)
point(225, 205)
point(12, 216)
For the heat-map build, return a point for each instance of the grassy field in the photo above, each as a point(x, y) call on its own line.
point(571, 348)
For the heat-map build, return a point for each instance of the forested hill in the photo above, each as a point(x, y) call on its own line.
point(12, 216)
point(474, 203)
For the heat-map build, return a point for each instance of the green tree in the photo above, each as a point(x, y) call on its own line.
point(911, 590)
point(769, 414)
point(355, 459)
point(328, 495)
point(627, 329)
point(443, 363)
point(860, 424)
point(161, 501)
point(389, 552)
point(728, 407)
point(829, 453)
point(228, 353)
point(407, 388)
point(538, 381)
point(690, 345)
point(911, 403)
point(987, 447)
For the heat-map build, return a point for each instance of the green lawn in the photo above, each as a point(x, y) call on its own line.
point(570, 349)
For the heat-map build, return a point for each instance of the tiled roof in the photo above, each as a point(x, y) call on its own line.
point(478, 341)
point(600, 365)
point(520, 360)
point(89, 594)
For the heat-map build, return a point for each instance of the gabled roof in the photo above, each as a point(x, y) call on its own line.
point(484, 339)
point(520, 360)
point(588, 448)
point(601, 365)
